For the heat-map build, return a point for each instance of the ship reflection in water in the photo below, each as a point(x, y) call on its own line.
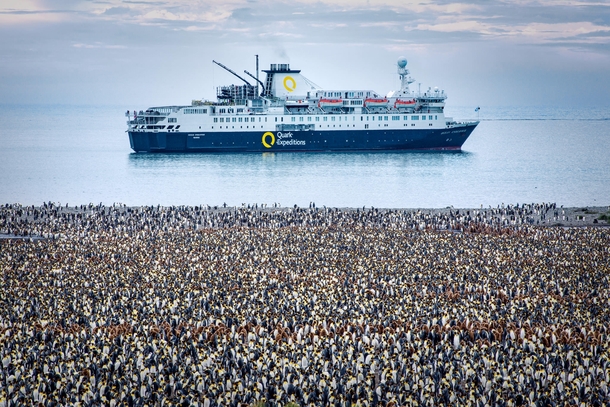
point(334, 179)
point(297, 161)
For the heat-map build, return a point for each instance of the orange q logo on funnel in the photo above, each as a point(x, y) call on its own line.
point(290, 84)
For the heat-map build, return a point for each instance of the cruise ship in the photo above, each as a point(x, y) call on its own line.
point(288, 112)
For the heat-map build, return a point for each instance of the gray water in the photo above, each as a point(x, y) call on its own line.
point(81, 154)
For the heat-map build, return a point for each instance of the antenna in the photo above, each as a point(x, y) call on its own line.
point(257, 76)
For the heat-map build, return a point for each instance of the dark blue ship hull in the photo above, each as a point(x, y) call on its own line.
point(303, 140)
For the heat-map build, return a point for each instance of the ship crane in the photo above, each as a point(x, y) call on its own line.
point(234, 92)
point(230, 70)
point(256, 79)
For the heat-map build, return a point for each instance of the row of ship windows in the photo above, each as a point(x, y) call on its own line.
point(196, 111)
point(366, 126)
point(205, 111)
point(324, 118)
point(349, 94)
point(237, 119)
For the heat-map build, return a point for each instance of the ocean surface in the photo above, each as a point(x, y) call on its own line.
point(81, 154)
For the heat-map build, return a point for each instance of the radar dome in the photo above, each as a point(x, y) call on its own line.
point(402, 62)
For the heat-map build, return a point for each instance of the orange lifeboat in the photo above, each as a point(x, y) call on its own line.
point(401, 104)
point(370, 102)
point(322, 103)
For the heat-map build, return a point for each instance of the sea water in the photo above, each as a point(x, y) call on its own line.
point(81, 154)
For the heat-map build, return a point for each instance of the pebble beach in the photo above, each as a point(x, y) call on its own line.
point(268, 305)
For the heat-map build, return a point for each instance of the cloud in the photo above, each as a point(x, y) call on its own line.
point(117, 11)
point(71, 38)
point(385, 23)
point(15, 13)
point(98, 45)
point(527, 21)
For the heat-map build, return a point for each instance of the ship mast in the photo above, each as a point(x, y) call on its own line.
point(257, 75)
point(403, 73)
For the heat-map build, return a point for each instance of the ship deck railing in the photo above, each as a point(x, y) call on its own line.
point(454, 123)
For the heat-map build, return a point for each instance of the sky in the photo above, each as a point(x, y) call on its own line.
point(146, 53)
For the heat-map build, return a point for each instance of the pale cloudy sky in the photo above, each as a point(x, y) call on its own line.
point(143, 53)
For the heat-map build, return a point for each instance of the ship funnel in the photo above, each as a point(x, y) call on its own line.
point(280, 67)
point(283, 82)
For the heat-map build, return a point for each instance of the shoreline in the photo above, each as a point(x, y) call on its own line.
point(32, 223)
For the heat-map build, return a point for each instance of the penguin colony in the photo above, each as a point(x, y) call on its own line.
point(192, 306)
